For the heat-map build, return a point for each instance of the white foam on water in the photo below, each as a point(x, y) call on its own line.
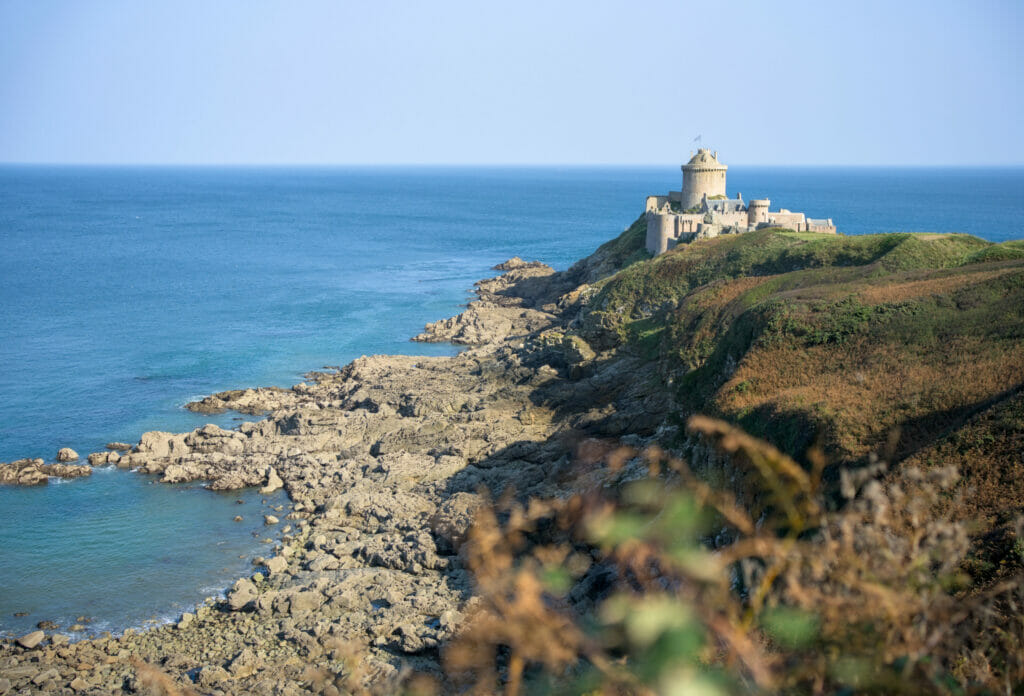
point(214, 591)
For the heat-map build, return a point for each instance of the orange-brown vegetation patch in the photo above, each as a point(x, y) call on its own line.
point(859, 392)
point(915, 288)
point(987, 453)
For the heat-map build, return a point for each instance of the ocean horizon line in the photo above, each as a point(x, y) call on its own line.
point(491, 165)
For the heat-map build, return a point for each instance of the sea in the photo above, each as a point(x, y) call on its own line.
point(126, 292)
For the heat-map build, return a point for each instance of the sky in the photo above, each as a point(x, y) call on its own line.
point(340, 82)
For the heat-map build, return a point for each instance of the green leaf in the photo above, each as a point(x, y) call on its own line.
point(792, 628)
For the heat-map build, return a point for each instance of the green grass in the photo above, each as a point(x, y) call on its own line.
point(641, 288)
point(625, 250)
point(843, 305)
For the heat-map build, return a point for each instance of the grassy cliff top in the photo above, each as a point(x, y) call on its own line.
point(900, 346)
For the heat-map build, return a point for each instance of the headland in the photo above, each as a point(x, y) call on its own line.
point(811, 341)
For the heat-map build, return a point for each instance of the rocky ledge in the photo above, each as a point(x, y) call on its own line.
point(36, 472)
point(251, 401)
point(385, 461)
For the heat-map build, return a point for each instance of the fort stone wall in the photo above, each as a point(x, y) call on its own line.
point(784, 218)
point(698, 182)
point(660, 229)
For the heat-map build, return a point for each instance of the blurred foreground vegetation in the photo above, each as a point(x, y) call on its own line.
point(866, 536)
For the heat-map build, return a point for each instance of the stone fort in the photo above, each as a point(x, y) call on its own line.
point(703, 210)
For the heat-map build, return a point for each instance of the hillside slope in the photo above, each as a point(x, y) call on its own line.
point(892, 347)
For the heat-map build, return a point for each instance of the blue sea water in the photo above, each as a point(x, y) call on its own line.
point(126, 292)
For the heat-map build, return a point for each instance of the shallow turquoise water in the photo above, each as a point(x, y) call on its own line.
point(126, 292)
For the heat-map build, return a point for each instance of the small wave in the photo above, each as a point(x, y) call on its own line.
point(98, 627)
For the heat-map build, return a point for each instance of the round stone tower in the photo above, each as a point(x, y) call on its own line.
point(757, 211)
point(702, 175)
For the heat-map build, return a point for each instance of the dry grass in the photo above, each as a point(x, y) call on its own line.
point(864, 389)
point(943, 284)
point(792, 599)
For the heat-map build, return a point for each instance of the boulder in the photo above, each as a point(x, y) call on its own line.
point(160, 444)
point(45, 676)
point(66, 470)
point(32, 477)
point(242, 594)
point(276, 565)
point(244, 663)
point(270, 519)
point(66, 454)
point(274, 482)
point(212, 674)
point(31, 640)
point(304, 601)
point(119, 446)
point(322, 563)
point(24, 472)
point(180, 473)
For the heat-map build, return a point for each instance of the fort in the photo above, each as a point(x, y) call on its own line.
point(703, 210)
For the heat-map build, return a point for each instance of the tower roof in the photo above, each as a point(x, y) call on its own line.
point(705, 158)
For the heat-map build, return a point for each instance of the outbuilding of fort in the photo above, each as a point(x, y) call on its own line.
point(703, 209)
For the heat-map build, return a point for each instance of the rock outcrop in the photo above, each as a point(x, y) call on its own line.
point(35, 472)
point(515, 304)
point(251, 401)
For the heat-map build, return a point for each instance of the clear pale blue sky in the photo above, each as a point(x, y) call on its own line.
point(337, 82)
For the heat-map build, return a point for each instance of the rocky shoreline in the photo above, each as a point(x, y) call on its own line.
point(385, 461)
